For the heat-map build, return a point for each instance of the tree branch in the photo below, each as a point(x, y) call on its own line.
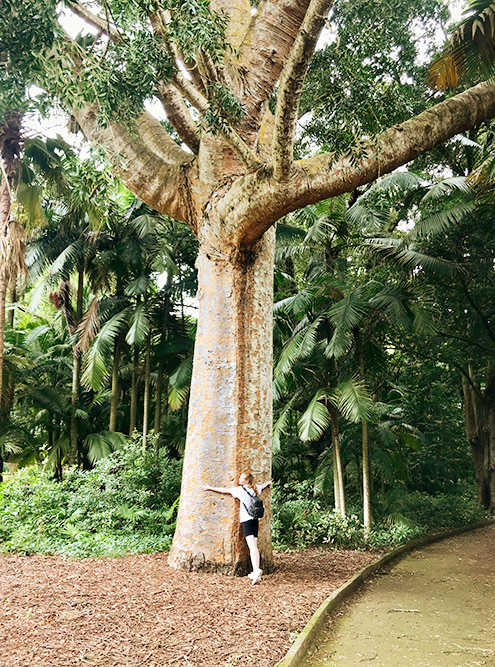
point(229, 134)
point(259, 200)
point(291, 84)
point(189, 91)
point(265, 50)
point(179, 116)
point(102, 25)
point(150, 164)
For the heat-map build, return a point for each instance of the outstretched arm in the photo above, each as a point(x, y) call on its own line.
point(217, 489)
point(265, 485)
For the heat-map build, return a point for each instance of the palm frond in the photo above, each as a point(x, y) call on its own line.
point(298, 347)
point(138, 287)
point(394, 250)
point(471, 49)
point(352, 400)
point(97, 359)
point(144, 225)
point(48, 398)
point(280, 426)
point(339, 343)
point(423, 320)
point(180, 383)
point(68, 258)
point(442, 221)
point(15, 440)
point(58, 453)
point(315, 419)
point(447, 187)
point(100, 445)
point(289, 234)
point(324, 472)
point(366, 217)
point(392, 301)
point(139, 326)
point(89, 325)
point(30, 196)
point(348, 312)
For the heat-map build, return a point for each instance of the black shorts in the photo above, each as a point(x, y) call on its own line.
point(250, 527)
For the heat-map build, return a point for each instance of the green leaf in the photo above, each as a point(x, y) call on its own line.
point(96, 361)
point(315, 419)
point(353, 401)
point(139, 327)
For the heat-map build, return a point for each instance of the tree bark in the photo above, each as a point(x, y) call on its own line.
point(338, 472)
point(147, 383)
point(479, 410)
point(230, 413)
point(161, 368)
point(134, 391)
point(114, 400)
point(367, 518)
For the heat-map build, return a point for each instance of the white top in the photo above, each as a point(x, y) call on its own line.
point(242, 494)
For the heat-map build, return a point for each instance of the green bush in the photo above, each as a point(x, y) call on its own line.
point(124, 505)
point(300, 520)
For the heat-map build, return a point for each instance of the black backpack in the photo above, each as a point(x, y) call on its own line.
point(254, 506)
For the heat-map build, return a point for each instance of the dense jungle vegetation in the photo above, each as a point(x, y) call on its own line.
point(384, 335)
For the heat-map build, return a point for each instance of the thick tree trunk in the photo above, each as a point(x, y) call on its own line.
point(230, 415)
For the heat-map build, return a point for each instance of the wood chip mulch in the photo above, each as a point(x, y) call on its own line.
point(137, 611)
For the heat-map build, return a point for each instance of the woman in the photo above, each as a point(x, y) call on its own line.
point(246, 488)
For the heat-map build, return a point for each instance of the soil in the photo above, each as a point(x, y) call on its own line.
point(137, 611)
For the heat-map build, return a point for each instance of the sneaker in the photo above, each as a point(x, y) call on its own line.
point(251, 575)
point(256, 576)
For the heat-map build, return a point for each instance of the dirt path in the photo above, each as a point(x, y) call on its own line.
point(138, 612)
point(434, 607)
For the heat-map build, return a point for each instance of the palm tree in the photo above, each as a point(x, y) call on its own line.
point(310, 354)
point(455, 258)
point(470, 51)
point(64, 249)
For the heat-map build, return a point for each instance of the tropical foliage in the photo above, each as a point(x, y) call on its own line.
point(384, 373)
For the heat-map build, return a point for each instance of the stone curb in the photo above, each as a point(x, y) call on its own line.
point(298, 651)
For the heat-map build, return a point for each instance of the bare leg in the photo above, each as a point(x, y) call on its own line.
point(252, 543)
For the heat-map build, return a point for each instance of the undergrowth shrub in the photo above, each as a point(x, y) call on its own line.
point(300, 520)
point(126, 504)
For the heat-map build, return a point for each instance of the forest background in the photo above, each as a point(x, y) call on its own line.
point(383, 324)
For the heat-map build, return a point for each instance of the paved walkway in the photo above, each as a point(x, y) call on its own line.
point(434, 607)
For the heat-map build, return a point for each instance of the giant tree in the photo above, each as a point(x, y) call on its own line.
point(216, 68)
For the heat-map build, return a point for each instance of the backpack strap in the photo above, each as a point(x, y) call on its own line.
point(249, 494)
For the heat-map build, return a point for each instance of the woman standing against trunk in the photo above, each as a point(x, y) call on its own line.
point(247, 489)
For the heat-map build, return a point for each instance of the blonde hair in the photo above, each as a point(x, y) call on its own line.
point(250, 480)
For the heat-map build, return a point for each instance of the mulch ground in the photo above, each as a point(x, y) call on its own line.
point(137, 611)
